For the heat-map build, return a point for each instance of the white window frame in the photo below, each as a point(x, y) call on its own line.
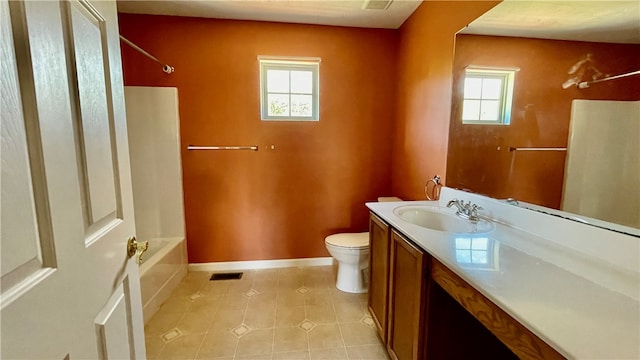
point(507, 76)
point(468, 245)
point(290, 64)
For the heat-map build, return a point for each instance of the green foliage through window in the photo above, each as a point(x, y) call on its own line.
point(289, 90)
point(488, 95)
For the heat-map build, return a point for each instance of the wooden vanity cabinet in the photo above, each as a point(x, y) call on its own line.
point(406, 299)
point(476, 321)
point(423, 310)
point(452, 332)
point(397, 271)
point(379, 251)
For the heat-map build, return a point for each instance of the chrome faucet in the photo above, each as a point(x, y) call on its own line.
point(467, 211)
point(512, 201)
point(459, 204)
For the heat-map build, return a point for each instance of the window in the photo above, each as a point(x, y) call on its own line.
point(477, 252)
point(487, 96)
point(289, 89)
point(472, 250)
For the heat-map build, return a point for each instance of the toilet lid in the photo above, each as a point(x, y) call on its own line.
point(351, 240)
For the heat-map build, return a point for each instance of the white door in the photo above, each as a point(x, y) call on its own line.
point(68, 288)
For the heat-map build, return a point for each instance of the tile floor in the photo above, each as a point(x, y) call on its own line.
point(290, 313)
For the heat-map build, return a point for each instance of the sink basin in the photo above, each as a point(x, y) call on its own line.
point(440, 219)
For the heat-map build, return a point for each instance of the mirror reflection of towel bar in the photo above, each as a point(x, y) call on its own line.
point(536, 149)
point(253, 147)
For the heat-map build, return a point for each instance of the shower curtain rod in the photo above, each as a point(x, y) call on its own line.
point(586, 84)
point(165, 67)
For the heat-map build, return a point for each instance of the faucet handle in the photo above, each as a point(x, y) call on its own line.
point(474, 210)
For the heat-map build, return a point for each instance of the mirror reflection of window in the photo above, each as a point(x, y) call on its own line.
point(476, 252)
point(488, 96)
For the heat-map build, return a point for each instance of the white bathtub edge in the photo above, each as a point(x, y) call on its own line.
point(150, 262)
point(260, 264)
point(153, 305)
point(169, 283)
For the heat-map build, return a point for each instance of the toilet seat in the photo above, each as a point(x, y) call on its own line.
point(349, 240)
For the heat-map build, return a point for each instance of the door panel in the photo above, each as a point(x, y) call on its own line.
point(18, 207)
point(406, 308)
point(379, 243)
point(112, 327)
point(68, 178)
point(26, 227)
point(86, 45)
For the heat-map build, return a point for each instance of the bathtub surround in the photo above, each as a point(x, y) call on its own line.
point(156, 175)
point(154, 146)
point(604, 136)
point(161, 272)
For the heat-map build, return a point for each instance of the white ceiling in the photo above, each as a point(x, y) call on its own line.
point(590, 20)
point(598, 21)
point(327, 12)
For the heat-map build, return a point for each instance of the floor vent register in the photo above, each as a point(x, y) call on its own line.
point(226, 276)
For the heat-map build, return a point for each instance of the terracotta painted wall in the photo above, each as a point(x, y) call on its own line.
point(540, 116)
point(272, 204)
point(425, 58)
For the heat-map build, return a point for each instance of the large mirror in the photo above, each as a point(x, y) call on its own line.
point(569, 140)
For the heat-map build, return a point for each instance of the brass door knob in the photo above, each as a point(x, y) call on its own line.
point(135, 248)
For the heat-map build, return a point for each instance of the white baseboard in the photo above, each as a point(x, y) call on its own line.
point(260, 264)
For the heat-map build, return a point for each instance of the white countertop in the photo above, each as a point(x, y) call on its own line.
point(582, 305)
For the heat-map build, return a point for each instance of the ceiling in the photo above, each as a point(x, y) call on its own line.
point(598, 21)
point(589, 20)
point(327, 12)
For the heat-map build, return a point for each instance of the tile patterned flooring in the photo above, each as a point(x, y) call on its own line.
point(290, 313)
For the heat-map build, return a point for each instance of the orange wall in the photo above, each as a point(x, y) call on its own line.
point(271, 204)
point(540, 115)
point(425, 58)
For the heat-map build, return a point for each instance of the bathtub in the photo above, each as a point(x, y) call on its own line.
point(163, 266)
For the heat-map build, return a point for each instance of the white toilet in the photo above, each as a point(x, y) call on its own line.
point(351, 251)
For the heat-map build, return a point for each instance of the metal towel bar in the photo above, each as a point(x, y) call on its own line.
point(536, 149)
point(253, 147)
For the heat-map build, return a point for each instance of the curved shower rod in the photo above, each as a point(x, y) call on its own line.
point(165, 67)
point(586, 84)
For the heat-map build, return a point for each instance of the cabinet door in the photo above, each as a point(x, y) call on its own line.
point(378, 274)
point(407, 289)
